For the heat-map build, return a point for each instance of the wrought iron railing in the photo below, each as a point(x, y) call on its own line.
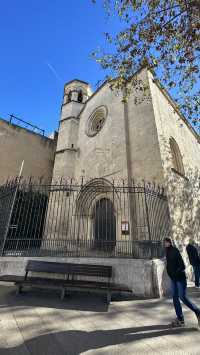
point(27, 125)
point(96, 218)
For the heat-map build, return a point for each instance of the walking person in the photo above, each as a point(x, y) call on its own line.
point(176, 272)
point(194, 261)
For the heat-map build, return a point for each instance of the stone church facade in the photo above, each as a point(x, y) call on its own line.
point(144, 139)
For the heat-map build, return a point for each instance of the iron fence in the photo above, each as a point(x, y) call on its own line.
point(25, 124)
point(96, 218)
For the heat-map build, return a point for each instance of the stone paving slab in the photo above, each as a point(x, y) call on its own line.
point(39, 323)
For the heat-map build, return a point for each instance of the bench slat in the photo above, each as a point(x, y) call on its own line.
point(47, 267)
point(91, 270)
point(69, 268)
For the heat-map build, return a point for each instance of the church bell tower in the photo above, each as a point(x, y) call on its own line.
point(76, 93)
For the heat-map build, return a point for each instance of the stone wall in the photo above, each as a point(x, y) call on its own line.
point(103, 155)
point(127, 146)
point(146, 278)
point(143, 145)
point(183, 191)
point(18, 144)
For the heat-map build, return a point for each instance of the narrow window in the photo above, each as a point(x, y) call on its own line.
point(176, 157)
point(80, 96)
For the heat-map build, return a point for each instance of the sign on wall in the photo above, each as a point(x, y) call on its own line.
point(125, 227)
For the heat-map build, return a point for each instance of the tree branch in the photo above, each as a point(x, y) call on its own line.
point(173, 18)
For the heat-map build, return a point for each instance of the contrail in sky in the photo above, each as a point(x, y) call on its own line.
point(54, 72)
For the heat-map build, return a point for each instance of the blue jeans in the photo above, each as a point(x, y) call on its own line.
point(196, 269)
point(179, 293)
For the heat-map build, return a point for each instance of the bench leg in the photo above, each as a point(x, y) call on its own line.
point(62, 293)
point(19, 289)
point(108, 297)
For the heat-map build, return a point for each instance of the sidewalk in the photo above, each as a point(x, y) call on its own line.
point(40, 324)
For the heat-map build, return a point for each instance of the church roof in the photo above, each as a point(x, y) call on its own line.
point(80, 81)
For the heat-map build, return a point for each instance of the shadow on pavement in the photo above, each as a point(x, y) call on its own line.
point(51, 299)
point(74, 342)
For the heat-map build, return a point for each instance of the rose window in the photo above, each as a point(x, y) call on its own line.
point(96, 121)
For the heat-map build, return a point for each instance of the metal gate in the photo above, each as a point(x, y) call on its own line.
point(97, 218)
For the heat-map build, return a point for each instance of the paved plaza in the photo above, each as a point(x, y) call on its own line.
point(39, 323)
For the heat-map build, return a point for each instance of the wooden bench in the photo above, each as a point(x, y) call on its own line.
point(72, 276)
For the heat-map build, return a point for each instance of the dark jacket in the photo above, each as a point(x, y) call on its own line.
point(193, 255)
point(175, 264)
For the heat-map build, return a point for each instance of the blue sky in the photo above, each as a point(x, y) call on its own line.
point(43, 45)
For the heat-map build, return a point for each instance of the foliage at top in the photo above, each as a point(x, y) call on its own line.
point(166, 35)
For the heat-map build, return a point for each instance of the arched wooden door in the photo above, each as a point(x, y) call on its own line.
point(104, 225)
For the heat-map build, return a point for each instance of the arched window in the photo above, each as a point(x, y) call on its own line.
point(176, 157)
point(80, 96)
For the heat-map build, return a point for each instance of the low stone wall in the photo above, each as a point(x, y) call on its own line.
point(161, 279)
point(147, 278)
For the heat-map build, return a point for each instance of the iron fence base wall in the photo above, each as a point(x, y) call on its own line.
point(65, 248)
point(146, 278)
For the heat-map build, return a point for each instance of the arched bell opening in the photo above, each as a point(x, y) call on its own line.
point(69, 96)
point(80, 96)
